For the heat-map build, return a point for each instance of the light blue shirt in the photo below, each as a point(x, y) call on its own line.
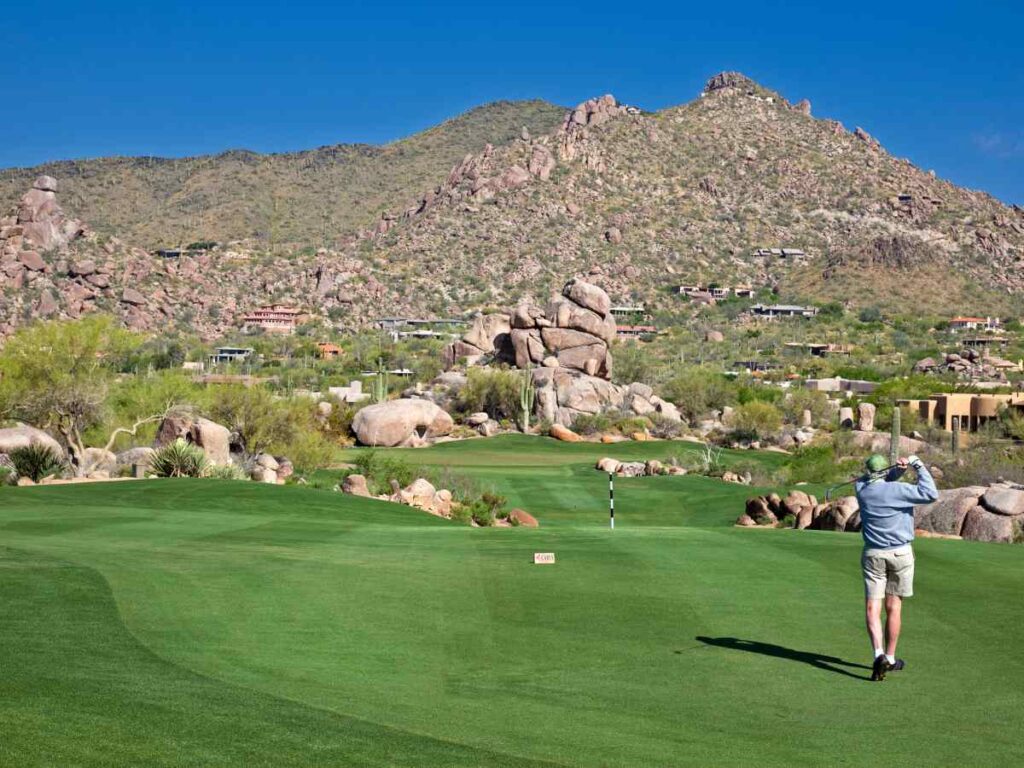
point(887, 507)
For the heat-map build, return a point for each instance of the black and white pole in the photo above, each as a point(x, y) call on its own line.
point(611, 500)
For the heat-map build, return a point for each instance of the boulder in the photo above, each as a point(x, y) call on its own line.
point(355, 485)
point(1004, 501)
point(136, 458)
point(32, 260)
point(22, 436)
point(794, 501)
point(946, 515)
point(846, 416)
point(608, 464)
point(132, 296)
point(400, 422)
point(489, 428)
point(476, 419)
point(441, 504)
point(522, 518)
point(486, 331)
point(631, 469)
point(653, 467)
point(213, 438)
point(95, 460)
point(714, 337)
point(866, 417)
point(757, 506)
point(419, 493)
point(803, 518)
point(267, 461)
point(564, 434)
point(263, 475)
point(982, 525)
point(746, 521)
point(588, 295)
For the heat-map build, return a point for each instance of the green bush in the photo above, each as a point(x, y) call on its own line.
point(756, 419)
point(494, 391)
point(7, 475)
point(592, 424)
point(225, 472)
point(818, 464)
point(36, 461)
point(664, 427)
point(380, 469)
point(800, 400)
point(697, 391)
point(178, 459)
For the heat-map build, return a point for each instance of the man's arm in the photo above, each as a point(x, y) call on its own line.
point(925, 491)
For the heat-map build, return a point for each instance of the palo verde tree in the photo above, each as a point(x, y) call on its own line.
point(56, 375)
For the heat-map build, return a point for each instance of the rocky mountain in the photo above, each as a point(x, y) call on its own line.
point(307, 198)
point(739, 186)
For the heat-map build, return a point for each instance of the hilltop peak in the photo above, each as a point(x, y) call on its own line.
point(724, 80)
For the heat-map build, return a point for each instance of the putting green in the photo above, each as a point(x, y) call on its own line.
point(173, 623)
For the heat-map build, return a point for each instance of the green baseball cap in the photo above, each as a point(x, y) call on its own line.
point(876, 463)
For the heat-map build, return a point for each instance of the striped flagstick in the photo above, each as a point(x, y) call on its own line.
point(611, 500)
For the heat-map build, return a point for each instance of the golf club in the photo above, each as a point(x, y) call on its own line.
point(880, 473)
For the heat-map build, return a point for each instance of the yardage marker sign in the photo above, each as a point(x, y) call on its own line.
point(543, 558)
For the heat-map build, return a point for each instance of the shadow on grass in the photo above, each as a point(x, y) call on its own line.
point(826, 663)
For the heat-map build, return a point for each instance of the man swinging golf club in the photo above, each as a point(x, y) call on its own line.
point(887, 524)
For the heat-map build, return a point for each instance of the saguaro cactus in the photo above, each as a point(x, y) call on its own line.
point(526, 397)
point(894, 436)
point(380, 383)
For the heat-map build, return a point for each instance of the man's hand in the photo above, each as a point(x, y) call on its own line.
point(903, 463)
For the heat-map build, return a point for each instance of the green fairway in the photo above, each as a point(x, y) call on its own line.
point(217, 623)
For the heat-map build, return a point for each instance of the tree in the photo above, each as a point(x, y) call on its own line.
point(255, 415)
point(56, 375)
point(756, 419)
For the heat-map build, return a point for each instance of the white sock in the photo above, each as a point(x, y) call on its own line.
point(879, 652)
point(890, 659)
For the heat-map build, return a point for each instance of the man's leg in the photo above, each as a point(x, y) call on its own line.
point(893, 623)
point(873, 617)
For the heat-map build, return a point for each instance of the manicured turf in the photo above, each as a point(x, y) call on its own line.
point(211, 623)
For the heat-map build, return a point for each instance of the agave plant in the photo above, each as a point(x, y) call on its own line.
point(179, 459)
point(36, 461)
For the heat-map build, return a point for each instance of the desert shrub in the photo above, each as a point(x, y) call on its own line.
point(308, 450)
point(633, 362)
point(494, 391)
point(7, 475)
point(755, 470)
point(983, 463)
point(592, 423)
point(664, 427)
point(225, 472)
point(627, 425)
point(708, 461)
point(178, 459)
point(800, 400)
point(257, 417)
point(338, 426)
point(818, 464)
point(758, 393)
point(380, 469)
point(697, 391)
point(756, 419)
point(36, 461)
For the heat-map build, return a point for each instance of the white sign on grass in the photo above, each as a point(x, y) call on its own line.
point(543, 558)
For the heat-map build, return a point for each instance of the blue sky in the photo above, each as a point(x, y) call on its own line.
point(941, 84)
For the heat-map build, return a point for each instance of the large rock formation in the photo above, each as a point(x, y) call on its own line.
point(24, 436)
point(574, 329)
point(213, 438)
point(37, 222)
point(566, 344)
point(406, 421)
